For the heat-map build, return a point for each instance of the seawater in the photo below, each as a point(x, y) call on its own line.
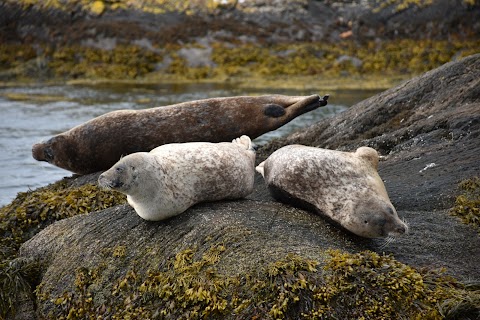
point(30, 114)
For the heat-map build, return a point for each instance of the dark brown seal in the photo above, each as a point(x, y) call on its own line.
point(99, 143)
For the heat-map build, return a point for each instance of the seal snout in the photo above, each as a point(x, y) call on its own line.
point(401, 228)
point(37, 152)
point(108, 183)
point(42, 152)
point(103, 181)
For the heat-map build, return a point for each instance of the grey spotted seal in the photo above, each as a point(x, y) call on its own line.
point(343, 186)
point(99, 143)
point(171, 178)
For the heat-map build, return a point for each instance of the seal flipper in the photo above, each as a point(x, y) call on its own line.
point(246, 142)
point(368, 154)
point(260, 169)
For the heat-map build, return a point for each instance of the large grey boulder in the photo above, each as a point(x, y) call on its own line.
point(428, 130)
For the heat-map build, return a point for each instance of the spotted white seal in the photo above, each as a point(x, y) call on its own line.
point(343, 186)
point(171, 178)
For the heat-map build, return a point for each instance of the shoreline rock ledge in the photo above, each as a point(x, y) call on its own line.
point(428, 130)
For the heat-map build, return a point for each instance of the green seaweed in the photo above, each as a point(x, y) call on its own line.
point(98, 7)
point(29, 213)
point(402, 5)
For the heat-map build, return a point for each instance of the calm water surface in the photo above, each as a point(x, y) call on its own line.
point(35, 113)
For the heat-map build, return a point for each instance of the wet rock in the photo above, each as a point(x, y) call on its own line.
point(357, 63)
point(197, 57)
point(427, 128)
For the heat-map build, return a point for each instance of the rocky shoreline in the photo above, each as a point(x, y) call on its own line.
point(71, 250)
point(427, 129)
point(141, 40)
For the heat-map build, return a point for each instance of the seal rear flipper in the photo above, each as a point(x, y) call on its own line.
point(244, 141)
point(368, 154)
point(260, 169)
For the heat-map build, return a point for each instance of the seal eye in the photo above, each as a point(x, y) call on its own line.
point(366, 221)
point(119, 169)
point(390, 210)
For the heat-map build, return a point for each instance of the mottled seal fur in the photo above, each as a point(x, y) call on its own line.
point(99, 143)
point(171, 178)
point(343, 186)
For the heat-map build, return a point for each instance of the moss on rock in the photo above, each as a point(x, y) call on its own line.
point(122, 62)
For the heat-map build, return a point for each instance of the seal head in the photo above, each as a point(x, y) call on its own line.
point(123, 176)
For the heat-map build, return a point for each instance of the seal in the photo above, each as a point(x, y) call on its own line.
point(171, 178)
point(343, 186)
point(99, 143)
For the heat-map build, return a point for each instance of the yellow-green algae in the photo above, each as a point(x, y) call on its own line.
point(402, 5)
point(122, 62)
point(31, 211)
point(97, 7)
point(365, 285)
point(16, 277)
point(386, 59)
point(467, 205)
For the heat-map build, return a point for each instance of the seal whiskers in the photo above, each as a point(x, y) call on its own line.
point(388, 240)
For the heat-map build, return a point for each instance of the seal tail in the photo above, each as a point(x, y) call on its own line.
point(246, 142)
point(260, 169)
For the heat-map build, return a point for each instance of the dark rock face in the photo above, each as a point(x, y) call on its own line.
point(270, 21)
point(428, 129)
